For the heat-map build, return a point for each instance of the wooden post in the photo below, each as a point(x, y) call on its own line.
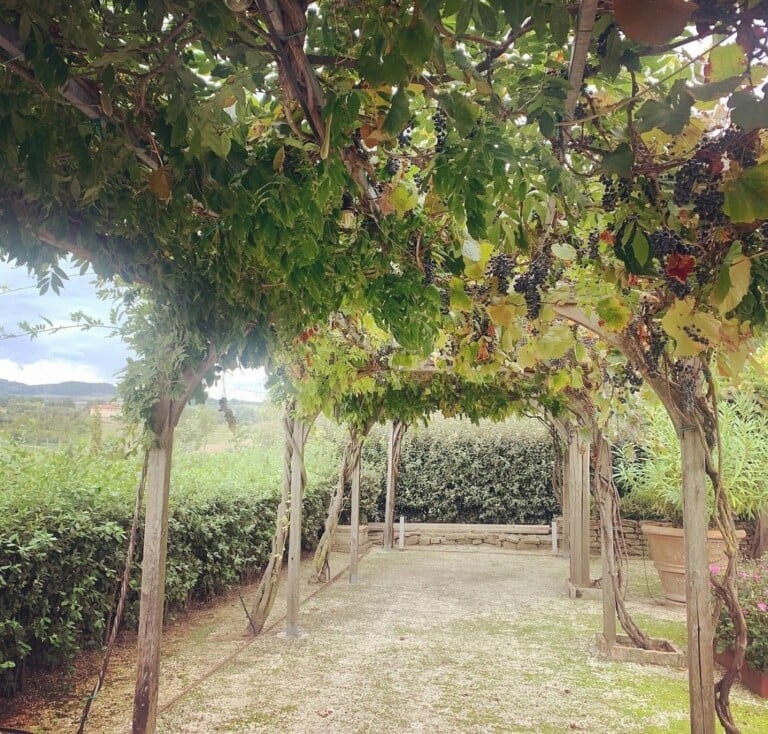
point(294, 536)
point(153, 579)
point(401, 537)
point(577, 484)
point(701, 674)
point(554, 537)
point(389, 504)
point(354, 523)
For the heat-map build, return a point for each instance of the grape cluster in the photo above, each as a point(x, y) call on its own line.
point(656, 344)
point(528, 284)
point(695, 334)
point(628, 377)
point(665, 241)
point(650, 189)
point(479, 293)
point(500, 266)
point(393, 166)
point(687, 176)
point(679, 289)
point(440, 121)
point(229, 416)
point(736, 144)
point(602, 40)
point(684, 375)
point(624, 189)
point(429, 270)
point(708, 204)
point(610, 194)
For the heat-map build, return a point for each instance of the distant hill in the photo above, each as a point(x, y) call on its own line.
point(74, 390)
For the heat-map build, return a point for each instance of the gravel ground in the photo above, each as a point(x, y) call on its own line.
point(429, 641)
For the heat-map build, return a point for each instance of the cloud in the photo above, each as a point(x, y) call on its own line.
point(69, 354)
point(48, 371)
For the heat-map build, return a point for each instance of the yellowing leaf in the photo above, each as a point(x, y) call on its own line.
point(727, 60)
point(527, 357)
point(279, 160)
point(691, 330)
point(403, 199)
point(614, 314)
point(502, 315)
point(559, 380)
point(510, 337)
point(739, 273)
point(556, 342)
point(459, 299)
point(160, 184)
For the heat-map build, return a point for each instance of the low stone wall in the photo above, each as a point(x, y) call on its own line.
point(637, 545)
point(515, 537)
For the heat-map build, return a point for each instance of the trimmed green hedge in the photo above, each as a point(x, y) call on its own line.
point(453, 471)
point(64, 519)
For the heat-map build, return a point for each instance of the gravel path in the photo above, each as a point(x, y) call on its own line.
point(428, 641)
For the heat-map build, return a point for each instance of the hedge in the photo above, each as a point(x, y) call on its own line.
point(62, 544)
point(453, 471)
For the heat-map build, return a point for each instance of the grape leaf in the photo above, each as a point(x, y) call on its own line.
point(727, 60)
point(738, 279)
point(613, 313)
point(746, 197)
point(619, 161)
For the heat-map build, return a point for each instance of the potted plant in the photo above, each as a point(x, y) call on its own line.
point(650, 469)
point(752, 586)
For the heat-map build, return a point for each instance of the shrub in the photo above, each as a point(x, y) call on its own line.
point(453, 471)
point(64, 518)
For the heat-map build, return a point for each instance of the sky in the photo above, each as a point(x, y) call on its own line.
point(74, 354)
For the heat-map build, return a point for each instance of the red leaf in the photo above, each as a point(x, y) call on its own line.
point(680, 267)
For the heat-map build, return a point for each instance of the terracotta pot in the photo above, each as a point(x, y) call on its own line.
point(755, 680)
point(668, 555)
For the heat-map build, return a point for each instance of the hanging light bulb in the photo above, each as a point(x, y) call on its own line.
point(347, 221)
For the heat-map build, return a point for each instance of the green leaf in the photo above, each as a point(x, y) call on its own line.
point(727, 60)
point(398, 114)
point(462, 111)
point(487, 19)
point(564, 251)
point(619, 161)
point(716, 90)
point(415, 43)
point(747, 111)
point(746, 198)
point(640, 247)
point(559, 23)
point(391, 69)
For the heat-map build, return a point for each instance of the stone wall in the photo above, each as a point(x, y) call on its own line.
point(514, 537)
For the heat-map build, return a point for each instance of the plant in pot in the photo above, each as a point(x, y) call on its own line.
point(650, 469)
point(752, 585)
